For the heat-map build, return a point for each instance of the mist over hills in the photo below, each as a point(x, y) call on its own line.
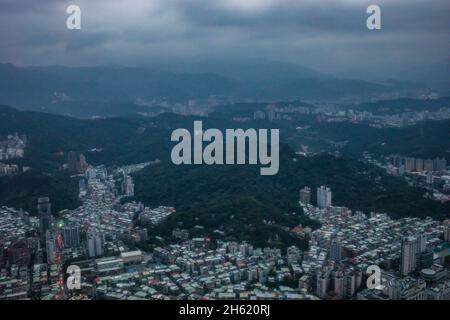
point(435, 75)
point(255, 70)
point(100, 91)
point(116, 91)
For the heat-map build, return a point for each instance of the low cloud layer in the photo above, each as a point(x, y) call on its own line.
point(327, 35)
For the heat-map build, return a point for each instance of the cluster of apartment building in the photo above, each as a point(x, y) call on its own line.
point(382, 121)
point(332, 113)
point(8, 169)
point(98, 237)
point(348, 242)
point(411, 164)
point(99, 227)
point(197, 269)
point(13, 146)
point(429, 174)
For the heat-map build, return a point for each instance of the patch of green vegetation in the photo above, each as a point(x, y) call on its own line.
point(240, 202)
point(22, 191)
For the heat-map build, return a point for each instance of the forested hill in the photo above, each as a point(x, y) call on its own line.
point(50, 137)
point(22, 191)
point(122, 140)
point(200, 192)
point(237, 200)
point(427, 139)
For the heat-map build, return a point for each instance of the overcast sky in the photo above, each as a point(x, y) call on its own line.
point(327, 35)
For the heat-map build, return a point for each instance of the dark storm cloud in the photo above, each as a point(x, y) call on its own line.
point(327, 35)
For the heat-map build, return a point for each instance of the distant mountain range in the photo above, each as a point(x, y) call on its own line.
point(435, 75)
point(115, 91)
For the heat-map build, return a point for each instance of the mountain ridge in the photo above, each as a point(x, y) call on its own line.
point(110, 91)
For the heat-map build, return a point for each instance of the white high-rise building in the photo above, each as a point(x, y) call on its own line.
point(350, 285)
point(430, 178)
point(447, 230)
point(44, 210)
point(128, 186)
point(408, 257)
point(50, 247)
point(305, 195)
point(94, 244)
point(71, 235)
point(323, 197)
point(421, 247)
point(322, 284)
point(339, 285)
point(335, 251)
point(421, 243)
